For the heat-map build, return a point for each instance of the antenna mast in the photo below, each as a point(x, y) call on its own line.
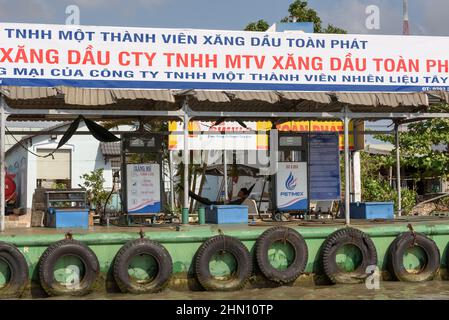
point(406, 27)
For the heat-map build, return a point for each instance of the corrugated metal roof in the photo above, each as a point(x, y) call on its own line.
point(383, 99)
point(110, 148)
point(83, 98)
point(438, 96)
point(19, 93)
point(265, 96)
point(211, 96)
point(155, 95)
point(403, 99)
point(213, 100)
point(360, 99)
point(87, 97)
point(320, 97)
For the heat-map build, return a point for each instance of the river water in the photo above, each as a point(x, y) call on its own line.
point(388, 290)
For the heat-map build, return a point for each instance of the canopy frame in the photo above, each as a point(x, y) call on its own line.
point(186, 114)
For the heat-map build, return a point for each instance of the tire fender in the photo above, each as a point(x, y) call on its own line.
point(335, 241)
point(397, 250)
point(142, 247)
point(18, 271)
point(286, 235)
point(218, 244)
point(62, 248)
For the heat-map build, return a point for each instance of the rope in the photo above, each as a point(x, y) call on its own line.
point(28, 150)
point(410, 227)
point(285, 235)
point(220, 232)
point(224, 244)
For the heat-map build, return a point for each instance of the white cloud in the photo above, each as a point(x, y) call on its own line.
point(25, 10)
point(425, 17)
point(434, 15)
point(351, 15)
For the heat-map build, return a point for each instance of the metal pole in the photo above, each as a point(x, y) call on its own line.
point(347, 171)
point(185, 153)
point(351, 173)
point(357, 186)
point(172, 188)
point(398, 169)
point(3, 117)
point(225, 176)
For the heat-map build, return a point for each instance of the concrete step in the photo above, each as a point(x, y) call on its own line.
point(16, 224)
point(37, 218)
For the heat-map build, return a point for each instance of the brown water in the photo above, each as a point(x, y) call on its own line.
point(389, 290)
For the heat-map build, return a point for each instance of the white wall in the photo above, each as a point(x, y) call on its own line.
point(85, 154)
point(28, 128)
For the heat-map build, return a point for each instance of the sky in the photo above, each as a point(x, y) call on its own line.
point(426, 17)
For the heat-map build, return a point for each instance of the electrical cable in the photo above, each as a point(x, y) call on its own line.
point(28, 150)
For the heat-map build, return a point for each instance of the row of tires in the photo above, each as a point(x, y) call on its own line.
point(18, 266)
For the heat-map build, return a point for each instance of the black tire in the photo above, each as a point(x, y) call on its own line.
point(396, 253)
point(68, 247)
point(218, 244)
point(18, 271)
point(299, 263)
point(142, 247)
point(338, 239)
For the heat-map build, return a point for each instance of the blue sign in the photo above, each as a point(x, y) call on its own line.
point(306, 27)
point(324, 159)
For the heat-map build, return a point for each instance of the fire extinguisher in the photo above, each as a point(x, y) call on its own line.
point(10, 188)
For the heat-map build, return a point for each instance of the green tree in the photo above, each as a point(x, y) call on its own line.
point(93, 184)
point(260, 25)
point(424, 146)
point(298, 12)
point(333, 29)
point(376, 188)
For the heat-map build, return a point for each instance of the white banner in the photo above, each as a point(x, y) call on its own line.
point(120, 57)
point(291, 186)
point(228, 135)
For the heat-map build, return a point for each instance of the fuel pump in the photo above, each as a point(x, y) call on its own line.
point(290, 182)
point(142, 184)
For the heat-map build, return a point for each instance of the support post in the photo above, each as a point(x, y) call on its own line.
point(3, 116)
point(347, 171)
point(398, 168)
point(357, 184)
point(172, 188)
point(225, 177)
point(186, 153)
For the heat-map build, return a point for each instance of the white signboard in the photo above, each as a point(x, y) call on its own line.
point(121, 57)
point(291, 186)
point(228, 135)
point(143, 188)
